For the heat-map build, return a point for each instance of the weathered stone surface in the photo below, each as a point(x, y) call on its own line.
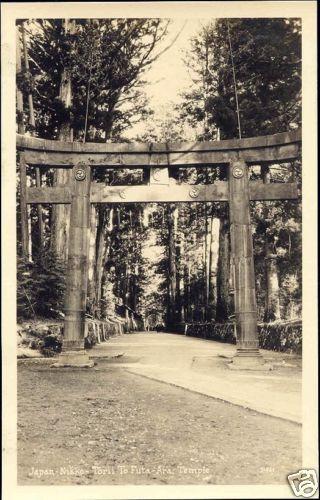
point(43, 338)
point(254, 362)
point(71, 359)
point(27, 352)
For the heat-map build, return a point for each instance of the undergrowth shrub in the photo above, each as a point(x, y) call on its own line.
point(215, 331)
point(283, 336)
point(40, 287)
point(51, 345)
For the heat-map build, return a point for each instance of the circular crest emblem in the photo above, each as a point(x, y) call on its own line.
point(80, 174)
point(157, 174)
point(237, 172)
point(122, 194)
point(194, 192)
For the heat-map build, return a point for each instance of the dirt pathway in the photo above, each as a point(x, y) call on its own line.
point(107, 426)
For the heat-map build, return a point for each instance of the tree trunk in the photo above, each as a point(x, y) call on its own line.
point(106, 287)
point(110, 116)
point(182, 282)
point(214, 250)
point(206, 131)
point(102, 247)
point(208, 229)
point(24, 208)
point(92, 255)
point(19, 95)
point(223, 265)
point(61, 213)
point(108, 126)
point(223, 300)
point(272, 304)
point(32, 124)
point(60, 220)
point(179, 274)
point(272, 307)
point(30, 239)
point(172, 218)
point(187, 292)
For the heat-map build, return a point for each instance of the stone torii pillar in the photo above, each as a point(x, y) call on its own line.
point(73, 352)
point(247, 355)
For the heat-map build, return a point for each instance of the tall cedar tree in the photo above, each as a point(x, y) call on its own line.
point(101, 64)
point(267, 65)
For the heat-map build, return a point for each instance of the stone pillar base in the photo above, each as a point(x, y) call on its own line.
point(76, 358)
point(249, 361)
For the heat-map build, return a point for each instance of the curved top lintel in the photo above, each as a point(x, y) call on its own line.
point(44, 145)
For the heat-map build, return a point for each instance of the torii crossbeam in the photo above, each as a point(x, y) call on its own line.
point(158, 160)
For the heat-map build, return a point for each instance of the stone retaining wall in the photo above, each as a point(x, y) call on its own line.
point(44, 338)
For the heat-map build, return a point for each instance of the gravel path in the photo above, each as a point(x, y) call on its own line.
point(107, 426)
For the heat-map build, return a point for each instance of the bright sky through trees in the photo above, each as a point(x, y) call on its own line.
point(168, 75)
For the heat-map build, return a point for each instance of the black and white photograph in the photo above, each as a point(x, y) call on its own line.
point(162, 307)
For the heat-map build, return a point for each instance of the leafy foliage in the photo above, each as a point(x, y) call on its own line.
point(105, 59)
point(267, 64)
point(267, 67)
point(276, 336)
point(281, 336)
point(26, 295)
point(40, 287)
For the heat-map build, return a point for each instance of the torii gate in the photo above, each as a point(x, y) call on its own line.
point(156, 161)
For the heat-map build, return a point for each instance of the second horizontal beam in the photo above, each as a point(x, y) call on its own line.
point(218, 191)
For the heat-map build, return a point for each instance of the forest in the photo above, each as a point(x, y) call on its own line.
point(84, 80)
